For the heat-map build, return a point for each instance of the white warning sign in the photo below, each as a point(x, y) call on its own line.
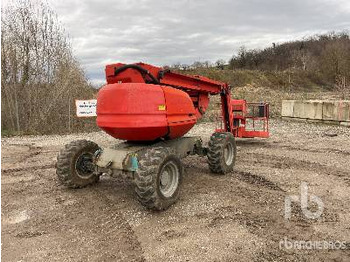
point(86, 108)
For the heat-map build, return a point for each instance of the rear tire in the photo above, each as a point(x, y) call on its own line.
point(221, 152)
point(158, 179)
point(74, 167)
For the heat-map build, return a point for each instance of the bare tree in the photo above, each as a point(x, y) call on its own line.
point(220, 64)
point(38, 71)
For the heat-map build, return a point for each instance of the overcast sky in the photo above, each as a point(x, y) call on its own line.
point(183, 31)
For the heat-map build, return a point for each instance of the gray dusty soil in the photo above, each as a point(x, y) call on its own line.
point(236, 217)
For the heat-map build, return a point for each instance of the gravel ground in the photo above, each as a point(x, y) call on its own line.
point(236, 217)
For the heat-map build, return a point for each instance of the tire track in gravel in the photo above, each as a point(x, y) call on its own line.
point(30, 168)
point(92, 226)
point(278, 145)
point(256, 180)
point(268, 223)
point(112, 223)
point(284, 162)
point(107, 221)
point(312, 150)
point(33, 151)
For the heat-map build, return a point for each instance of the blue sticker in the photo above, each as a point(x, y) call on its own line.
point(134, 163)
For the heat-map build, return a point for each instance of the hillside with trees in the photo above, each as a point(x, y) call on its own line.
point(326, 58)
point(320, 61)
point(317, 67)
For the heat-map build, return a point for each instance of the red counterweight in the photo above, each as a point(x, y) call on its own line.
point(142, 112)
point(144, 103)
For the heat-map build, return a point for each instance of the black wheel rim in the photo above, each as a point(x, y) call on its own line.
point(84, 165)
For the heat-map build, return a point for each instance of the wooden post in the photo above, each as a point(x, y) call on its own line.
point(69, 125)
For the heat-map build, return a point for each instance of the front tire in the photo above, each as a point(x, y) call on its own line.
point(221, 152)
point(75, 168)
point(158, 179)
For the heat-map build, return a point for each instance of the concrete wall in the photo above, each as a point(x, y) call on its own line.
point(323, 110)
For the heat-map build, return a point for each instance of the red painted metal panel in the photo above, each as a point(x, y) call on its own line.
point(181, 113)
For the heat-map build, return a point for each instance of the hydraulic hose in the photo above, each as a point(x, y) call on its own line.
point(138, 68)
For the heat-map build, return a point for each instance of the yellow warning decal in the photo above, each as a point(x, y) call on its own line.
point(161, 107)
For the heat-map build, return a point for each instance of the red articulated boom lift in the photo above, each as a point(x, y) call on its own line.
point(152, 108)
